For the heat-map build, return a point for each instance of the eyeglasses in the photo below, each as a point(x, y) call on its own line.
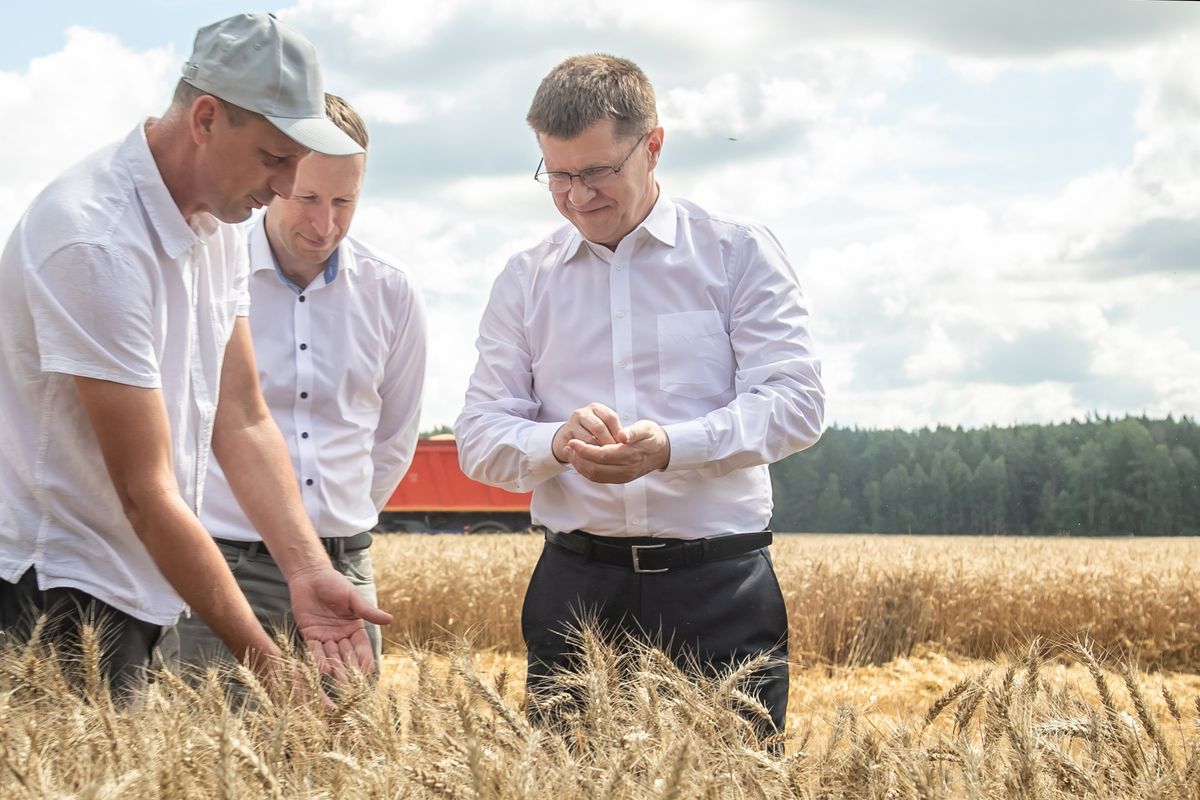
point(592, 177)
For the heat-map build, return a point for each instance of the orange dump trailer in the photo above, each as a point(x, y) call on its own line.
point(435, 495)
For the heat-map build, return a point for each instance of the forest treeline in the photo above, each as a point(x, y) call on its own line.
point(1092, 477)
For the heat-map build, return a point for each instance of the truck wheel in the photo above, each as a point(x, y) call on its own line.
point(489, 526)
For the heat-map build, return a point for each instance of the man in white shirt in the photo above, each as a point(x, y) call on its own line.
point(339, 337)
point(638, 370)
point(121, 324)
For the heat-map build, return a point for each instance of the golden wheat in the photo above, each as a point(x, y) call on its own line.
point(455, 732)
point(859, 599)
point(1066, 715)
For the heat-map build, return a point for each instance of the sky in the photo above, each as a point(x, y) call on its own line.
point(992, 208)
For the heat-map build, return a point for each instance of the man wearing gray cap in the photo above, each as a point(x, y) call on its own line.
point(122, 323)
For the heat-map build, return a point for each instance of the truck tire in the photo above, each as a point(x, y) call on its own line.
point(489, 526)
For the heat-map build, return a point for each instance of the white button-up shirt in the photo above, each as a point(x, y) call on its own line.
point(342, 364)
point(104, 278)
point(696, 322)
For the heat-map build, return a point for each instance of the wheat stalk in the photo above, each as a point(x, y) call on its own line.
point(1149, 723)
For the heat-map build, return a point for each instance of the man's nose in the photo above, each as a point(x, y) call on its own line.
point(284, 180)
point(580, 192)
point(321, 218)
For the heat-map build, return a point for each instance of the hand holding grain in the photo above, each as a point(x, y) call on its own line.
point(641, 448)
point(595, 423)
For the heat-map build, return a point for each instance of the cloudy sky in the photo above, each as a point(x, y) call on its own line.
point(992, 206)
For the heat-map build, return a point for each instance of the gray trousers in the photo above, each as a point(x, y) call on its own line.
point(265, 588)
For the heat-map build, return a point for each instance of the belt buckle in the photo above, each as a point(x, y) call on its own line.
point(637, 567)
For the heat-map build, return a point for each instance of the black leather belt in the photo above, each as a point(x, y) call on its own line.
point(658, 555)
point(334, 545)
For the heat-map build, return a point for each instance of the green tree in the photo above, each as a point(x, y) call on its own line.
point(896, 493)
point(834, 512)
point(989, 495)
point(1091, 476)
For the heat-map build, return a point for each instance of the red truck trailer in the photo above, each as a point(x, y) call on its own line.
point(435, 495)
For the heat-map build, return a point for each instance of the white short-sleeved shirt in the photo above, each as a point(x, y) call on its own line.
point(341, 364)
point(104, 278)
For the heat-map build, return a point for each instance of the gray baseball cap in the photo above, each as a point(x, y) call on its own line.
point(256, 62)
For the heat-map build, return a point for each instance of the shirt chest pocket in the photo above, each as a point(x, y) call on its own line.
point(695, 358)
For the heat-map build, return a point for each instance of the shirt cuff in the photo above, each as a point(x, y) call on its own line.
point(689, 444)
point(539, 454)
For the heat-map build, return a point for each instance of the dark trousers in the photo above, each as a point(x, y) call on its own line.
point(128, 646)
point(715, 614)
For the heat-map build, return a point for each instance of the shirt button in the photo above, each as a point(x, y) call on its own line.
point(302, 298)
point(619, 267)
point(304, 395)
point(303, 347)
point(627, 416)
point(621, 363)
point(635, 520)
point(620, 313)
point(308, 482)
point(304, 435)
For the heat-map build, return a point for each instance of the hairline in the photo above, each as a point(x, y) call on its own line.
point(583, 90)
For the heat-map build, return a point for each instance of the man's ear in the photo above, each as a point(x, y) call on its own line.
point(654, 143)
point(202, 117)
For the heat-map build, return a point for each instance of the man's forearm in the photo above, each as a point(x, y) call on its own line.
point(256, 464)
point(190, 561)
point(134, 435)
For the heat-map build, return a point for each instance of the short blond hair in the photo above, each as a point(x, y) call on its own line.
point(343, 115)
point(583, 90)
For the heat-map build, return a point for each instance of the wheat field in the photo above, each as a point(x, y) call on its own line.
point(924, 668)
point(860, 599)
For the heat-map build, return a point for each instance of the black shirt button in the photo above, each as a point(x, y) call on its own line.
point(304, 395)
point(308, 482)
point(304, 435)
point(303, 347)
point(302, 298)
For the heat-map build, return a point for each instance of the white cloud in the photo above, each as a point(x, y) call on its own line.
point(382, 24)
point(376, 23)
point(716, 106)
point(1025, 29)
point(942, 357)
point(1160, 368)
point(68, 104)
point(942, 291)
point(953, 403)
point(399, 108)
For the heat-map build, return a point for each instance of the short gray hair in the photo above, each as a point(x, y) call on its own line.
point(186, 94)
point(583, 90)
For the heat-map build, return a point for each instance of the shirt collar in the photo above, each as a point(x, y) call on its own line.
point(263, 258)
point(176, 233)
point(659, 223)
